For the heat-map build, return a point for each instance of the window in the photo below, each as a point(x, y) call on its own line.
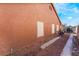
point(40, 28)
point(53, 28)
point(57, 29)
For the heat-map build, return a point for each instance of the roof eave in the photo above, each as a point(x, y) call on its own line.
point(56, 13)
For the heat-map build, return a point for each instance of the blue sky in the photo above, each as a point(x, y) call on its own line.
point(68, 13)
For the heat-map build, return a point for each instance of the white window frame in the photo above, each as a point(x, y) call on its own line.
point(57, 27)
point(40, 28)
point(53, 28)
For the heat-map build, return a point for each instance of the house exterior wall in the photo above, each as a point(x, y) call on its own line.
point(77, 31)
point(18, 26)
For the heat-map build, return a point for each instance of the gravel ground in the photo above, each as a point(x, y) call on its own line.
point(75, 51)
point(55, 49)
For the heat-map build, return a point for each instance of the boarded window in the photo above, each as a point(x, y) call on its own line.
point(40, 29)
point(53, 28)
point(57, 27)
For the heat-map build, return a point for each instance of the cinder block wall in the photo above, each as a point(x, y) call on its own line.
point(18, 26)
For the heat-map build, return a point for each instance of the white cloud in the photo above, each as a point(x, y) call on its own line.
point(70, 13)
point(69, 17)
point(62, 8)
point(75, 10)
point(74, 21)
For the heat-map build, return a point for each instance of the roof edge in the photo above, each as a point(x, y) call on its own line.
point(56, 13)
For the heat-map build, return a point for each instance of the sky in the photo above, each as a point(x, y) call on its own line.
point(68, 13)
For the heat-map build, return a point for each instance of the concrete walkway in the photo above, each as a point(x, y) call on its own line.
point(67, 51)
point(49, 43)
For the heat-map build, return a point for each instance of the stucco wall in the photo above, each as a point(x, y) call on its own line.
point(18, 25)
point(78, 32)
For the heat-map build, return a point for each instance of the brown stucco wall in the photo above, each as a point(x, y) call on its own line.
point(18, 26)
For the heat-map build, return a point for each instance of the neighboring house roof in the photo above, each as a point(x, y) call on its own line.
point(56, 13)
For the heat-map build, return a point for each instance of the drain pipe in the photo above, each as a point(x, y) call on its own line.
point(67, 51)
